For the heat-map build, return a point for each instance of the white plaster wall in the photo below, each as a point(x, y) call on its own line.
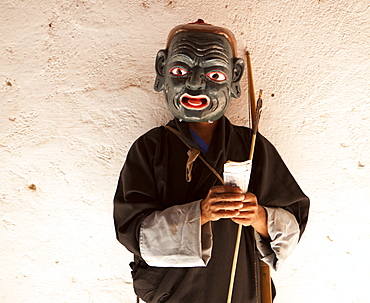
point(76, 83)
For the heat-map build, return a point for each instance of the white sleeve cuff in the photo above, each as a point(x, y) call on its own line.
point(283, 230)
point(174, 237)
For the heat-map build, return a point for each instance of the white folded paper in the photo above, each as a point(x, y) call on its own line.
point(238, 174)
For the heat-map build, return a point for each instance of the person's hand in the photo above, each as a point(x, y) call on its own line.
point(225, 201)
point(252, 214)
point(248, 214)
point(222, 201)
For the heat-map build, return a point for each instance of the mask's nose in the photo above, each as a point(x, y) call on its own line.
point(195, 80)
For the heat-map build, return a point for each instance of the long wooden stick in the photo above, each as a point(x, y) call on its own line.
point(240, 227)
point(252, 112)
point(255, 112)
point(235, 262)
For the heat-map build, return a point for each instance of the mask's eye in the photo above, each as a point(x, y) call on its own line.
point(178, 71)
point(217, 76)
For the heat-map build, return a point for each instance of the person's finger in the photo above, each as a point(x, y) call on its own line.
point(223, 215)
point(227, 197)
point(249, 207)
point(225, 188)
point(225, 206)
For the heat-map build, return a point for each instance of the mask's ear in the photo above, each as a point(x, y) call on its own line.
point(160, 62)
point(237, 75)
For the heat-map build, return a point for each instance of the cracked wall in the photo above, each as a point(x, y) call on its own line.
point(76, 89)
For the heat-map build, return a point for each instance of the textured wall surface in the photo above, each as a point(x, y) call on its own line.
point(76, 82)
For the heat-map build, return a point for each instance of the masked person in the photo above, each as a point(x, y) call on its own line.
point(170, 208)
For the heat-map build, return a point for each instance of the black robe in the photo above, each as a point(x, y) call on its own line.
point(153, 178)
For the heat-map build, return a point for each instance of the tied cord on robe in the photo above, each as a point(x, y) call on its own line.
point(193, 154)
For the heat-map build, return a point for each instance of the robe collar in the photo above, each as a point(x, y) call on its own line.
point(219, 146)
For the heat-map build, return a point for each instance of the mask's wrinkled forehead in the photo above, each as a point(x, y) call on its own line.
point(200, 45)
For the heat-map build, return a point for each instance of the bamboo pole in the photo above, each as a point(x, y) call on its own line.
point(240, 227)
point(255, 112)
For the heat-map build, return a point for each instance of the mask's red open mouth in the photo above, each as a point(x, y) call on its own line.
point(194, 102)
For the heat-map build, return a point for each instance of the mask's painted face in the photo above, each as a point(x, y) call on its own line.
point(198, 75)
